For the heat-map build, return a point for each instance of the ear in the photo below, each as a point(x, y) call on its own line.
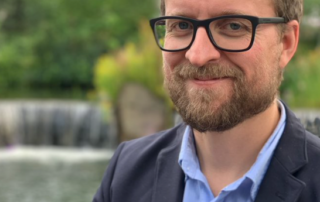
point(289, 40)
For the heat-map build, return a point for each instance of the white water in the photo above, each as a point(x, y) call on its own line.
point(50, 154)
point(48, 174)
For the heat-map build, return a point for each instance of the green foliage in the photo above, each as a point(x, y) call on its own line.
point(53, 45)
point(309, 38)
point(302, 81)
point(133, 64)
point(311, 7)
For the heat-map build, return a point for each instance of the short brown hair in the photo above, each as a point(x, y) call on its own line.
point(289, 9)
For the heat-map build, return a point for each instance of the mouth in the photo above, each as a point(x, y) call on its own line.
point(210, 81)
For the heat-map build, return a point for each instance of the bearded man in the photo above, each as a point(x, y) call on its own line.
point(223, 62)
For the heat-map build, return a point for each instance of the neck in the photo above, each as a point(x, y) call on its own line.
point(227, 156)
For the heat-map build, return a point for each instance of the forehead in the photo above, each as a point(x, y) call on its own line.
point(202, 9)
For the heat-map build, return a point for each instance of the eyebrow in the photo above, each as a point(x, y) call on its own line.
point(179, 13)
point(222, 13)
point(232, 12)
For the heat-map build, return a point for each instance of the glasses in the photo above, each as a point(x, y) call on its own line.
point(233, 33)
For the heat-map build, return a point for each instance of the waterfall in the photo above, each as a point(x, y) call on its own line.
point(54, 123)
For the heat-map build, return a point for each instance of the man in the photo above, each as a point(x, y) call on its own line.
point(223, 62)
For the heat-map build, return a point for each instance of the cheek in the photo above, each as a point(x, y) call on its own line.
point(248, 62)
point(260, 67)
point(166, 72)
point(172, 59)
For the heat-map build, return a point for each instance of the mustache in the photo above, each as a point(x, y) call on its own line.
point(208, 71)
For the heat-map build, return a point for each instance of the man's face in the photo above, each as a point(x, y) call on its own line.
point(215, 90)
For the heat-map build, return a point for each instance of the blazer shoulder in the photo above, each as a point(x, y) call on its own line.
point(313, 148)
point(308, 174)
point(132, 172)
point(313, 140)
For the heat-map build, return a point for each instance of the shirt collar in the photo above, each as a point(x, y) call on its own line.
point(188, 159)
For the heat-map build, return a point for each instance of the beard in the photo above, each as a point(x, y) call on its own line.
point(210, 109)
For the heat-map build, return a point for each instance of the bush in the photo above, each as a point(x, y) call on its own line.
point(53, 45)
point(139, 63)
point(302, 81)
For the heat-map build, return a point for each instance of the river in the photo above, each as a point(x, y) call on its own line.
point(51, 174)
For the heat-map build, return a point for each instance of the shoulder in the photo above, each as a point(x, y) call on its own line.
point(296, 135)
point(133, 166)
point(143, 153)
point(295, 163)
point(304, 147)
point(309, 174)
point(313, 149)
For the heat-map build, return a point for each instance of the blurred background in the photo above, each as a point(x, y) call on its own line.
point(78, 77)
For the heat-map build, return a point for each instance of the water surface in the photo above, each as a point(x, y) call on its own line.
point(46, 175)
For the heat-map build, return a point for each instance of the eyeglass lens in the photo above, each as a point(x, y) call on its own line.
point(227, 33)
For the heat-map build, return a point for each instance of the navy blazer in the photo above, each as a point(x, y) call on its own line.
point(147, 169)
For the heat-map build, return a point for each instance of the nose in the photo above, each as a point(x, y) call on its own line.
point(202, 50)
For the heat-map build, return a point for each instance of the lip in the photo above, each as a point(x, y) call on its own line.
point(209, 81)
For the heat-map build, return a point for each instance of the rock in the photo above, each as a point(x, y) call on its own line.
point(140, 112)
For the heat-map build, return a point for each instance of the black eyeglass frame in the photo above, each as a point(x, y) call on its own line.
point(255, 21)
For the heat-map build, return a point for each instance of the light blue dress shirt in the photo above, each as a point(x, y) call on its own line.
point(244, 189)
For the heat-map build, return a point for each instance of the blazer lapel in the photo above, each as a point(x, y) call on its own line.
point(279, 184)
point(169, 179)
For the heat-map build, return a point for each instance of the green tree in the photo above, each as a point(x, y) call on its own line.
point(300, 87)
point(53, 45)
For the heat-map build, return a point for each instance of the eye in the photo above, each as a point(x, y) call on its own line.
point(179, 25)
point(235, 26)
point(231, 27)
point(179, 28)
point(184, 25)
